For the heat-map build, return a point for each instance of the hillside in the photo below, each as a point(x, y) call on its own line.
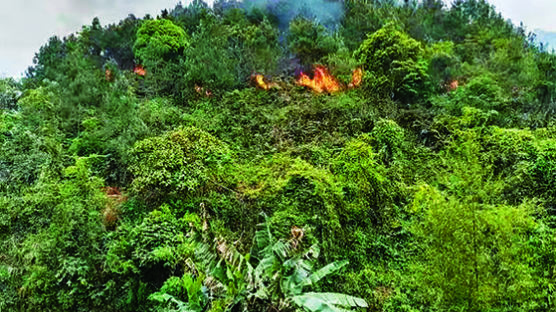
point(283, 156)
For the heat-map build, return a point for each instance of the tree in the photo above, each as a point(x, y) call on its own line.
point(211, 62)
point(394, 64)
point(159, 39)
point(10, 91)
point(310, 41)
point(474, 249)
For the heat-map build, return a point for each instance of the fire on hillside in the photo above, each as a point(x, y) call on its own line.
point(323, 81)
point(260, 82)
point(139, 70)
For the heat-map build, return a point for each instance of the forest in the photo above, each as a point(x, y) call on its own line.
point(283, 155)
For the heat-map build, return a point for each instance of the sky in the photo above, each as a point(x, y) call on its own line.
point(25, 25)
point(535, 14)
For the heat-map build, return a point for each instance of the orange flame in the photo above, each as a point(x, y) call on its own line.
point(202, 91)
point(452, 85)
point(139, 70)
point(260, 82)
point(108, 75)
point(356, 78)
point(321, 82)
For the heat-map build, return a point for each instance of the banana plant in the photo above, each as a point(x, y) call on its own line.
point(283, 279)
point(274, 274)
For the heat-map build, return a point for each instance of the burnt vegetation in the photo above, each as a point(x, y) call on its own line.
point(283, 156)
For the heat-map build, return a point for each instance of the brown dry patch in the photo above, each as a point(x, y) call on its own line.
point(111, 213)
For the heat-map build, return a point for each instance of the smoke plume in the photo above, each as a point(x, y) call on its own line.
point(326, 12)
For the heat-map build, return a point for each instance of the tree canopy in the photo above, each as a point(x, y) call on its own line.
point(279, 156)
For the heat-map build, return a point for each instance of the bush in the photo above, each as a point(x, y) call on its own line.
point(294, 193)
point(364, 183)
point(178, 163)
point(142, 257)
point(544, 171)
point(394, 64)
point(389, 139)
point(58, 256)
point(482, 92)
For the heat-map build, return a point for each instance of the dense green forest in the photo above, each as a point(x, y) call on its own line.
point(191, 162)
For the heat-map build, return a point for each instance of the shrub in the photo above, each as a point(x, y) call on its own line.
point(394, 64)
point(292, 193)
point(482, 92)
point(58, 256)
point(177, 163)
point(142, 257)
point(544, 170)
point(389, 139)
point(364, 183)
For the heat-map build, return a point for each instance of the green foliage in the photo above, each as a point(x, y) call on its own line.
point(31, 146)
point(296, 194)
point(488, 247)
point(47, 60)
point(310, 41)
point(183, 161)
point(61, 248)
point(394, 63)
point(9, 93)
point(364, 17)
point(209, 62)
point(146, 256)
point(482, 92)
point(488, 241)
point(429, 188)
point(185, 287)
point(444, 65)
point(544, 168)
point(159, 39)
point(159, 114)
point(327, 302)
point(278, 277)
point(257, 45)
point(365, 183)
point(159, 44)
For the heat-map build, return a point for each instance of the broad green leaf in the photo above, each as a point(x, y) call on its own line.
point(328, 302)
point(323, 272)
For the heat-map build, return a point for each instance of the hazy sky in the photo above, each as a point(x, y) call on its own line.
point(25, 25)
point(535, 14)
